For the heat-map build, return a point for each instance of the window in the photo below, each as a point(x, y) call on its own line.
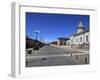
point(68, 43)
point(80, 39)
point(86, 38)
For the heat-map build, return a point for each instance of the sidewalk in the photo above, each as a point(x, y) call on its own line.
point(68, 48)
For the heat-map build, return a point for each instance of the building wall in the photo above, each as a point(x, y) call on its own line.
point(79, 39)
point(58, 42)
point(61, 42)
point(82, 38)
point(87, 34)
point(68, 42)
point(80, 30)
point(71, 40)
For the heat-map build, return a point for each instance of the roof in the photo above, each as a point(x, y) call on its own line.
point(81, 32)
point(63, 38)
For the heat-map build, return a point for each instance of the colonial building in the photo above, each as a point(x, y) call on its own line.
point(81, 37)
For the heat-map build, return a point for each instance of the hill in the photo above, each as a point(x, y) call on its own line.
point(31, 43)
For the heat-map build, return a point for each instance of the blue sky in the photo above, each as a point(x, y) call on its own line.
point(52, 26)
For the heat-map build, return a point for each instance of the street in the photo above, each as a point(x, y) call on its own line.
point(50, 56)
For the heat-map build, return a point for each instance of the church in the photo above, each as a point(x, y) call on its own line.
point(79, 39)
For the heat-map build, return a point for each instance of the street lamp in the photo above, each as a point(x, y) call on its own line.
point(36, 47)
point(36, 32)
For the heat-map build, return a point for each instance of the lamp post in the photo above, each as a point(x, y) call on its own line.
point(36, 32)
point(36, 39)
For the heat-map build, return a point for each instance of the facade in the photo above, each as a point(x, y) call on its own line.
point(62, 41)
point(81, 37)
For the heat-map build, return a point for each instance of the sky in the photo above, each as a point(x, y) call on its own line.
point(51, 26)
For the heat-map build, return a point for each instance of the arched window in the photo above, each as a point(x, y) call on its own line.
point(80, 39)
point(86, 38)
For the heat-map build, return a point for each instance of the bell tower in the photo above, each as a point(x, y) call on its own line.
point(80, 27)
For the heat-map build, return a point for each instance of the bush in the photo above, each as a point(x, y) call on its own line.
point(35, 47)
point(29, 52)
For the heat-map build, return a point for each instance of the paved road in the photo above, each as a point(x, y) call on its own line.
point(49, 56)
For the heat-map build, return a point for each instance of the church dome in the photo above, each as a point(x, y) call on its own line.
point(80, 27)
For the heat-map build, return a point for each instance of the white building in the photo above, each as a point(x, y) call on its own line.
point(81, 37)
